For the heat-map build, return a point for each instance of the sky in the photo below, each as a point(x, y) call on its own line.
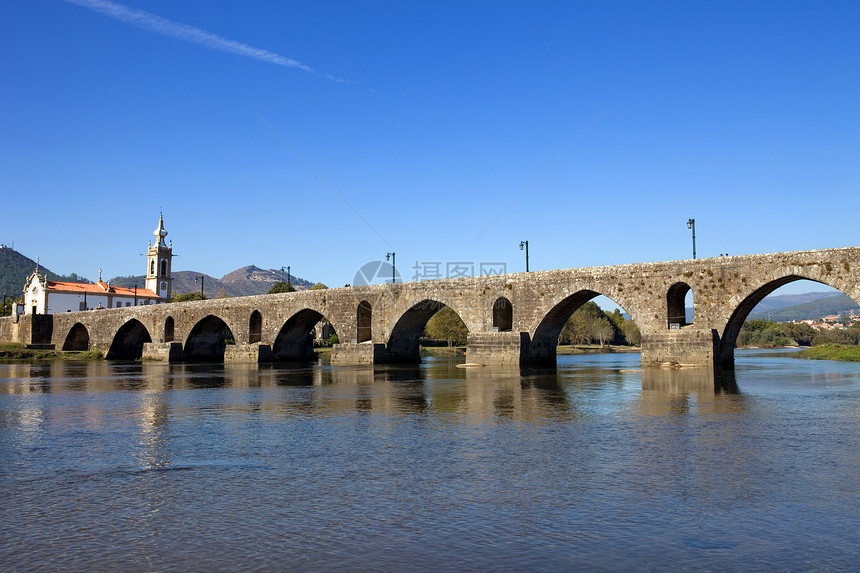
point(323, 135)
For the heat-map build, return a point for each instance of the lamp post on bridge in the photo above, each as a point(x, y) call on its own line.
point(526, 245)
point(393, 265)
point(691, 224)
point(202, 278)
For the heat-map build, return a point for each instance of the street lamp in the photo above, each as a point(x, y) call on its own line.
point(393, 264)
point(201, 277)
point(289, 281)
point(526, 245)
point(135, 295)
point(691, 224)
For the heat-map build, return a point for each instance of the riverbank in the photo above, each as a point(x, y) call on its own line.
point(18, 352)
point(841, 352)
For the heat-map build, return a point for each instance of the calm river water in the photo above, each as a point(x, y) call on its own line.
point(149, 467)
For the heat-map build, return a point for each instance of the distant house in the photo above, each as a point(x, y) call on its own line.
point(42, 296)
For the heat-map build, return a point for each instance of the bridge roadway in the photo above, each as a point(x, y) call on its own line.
point(513, 319)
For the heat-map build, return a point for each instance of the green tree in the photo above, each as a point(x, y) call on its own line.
point(446, 325)
point(280, 287)
point(318, 286)
point(187, 297)
point(631, 333)
point(801, 333)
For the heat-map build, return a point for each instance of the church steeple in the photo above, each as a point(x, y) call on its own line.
point(159, 259)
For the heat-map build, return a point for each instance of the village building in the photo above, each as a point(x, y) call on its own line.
point(43, 296)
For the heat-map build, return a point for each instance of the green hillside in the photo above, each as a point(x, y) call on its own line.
point(15, 268)
point(837, 304)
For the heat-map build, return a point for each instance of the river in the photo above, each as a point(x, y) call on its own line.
point(152, 467)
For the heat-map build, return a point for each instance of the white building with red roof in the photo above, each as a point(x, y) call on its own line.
point(42, 296)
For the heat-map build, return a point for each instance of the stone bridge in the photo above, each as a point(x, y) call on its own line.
point(513, 319)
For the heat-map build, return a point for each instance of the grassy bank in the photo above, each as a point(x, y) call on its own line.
point(830, 352)
point(18, 353)
point(564, 349)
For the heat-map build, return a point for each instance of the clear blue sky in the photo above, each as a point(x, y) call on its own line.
point(593, 130)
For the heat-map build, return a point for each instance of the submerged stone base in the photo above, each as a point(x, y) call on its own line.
point(162, 351)
point(247, 353)
point(685, 347)
point(496, 348)
point(353, 353)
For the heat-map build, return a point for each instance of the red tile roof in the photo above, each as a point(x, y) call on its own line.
point(99, 288)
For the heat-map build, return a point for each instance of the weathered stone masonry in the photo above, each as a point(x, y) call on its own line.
point(512, 319)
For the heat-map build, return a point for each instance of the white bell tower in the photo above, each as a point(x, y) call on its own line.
point(158, 264)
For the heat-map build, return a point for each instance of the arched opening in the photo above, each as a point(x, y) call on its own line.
point(128, 342)
point(404, 342)
point(503, 315)
point(679, 303)
point(255, 327)
point(801, 315)
point(78, 339)
point(168, 329)
point(152, 268)
point(164, 267)
point(207, 340)
point(364, 316)
point(295, 341)
point(578, 321)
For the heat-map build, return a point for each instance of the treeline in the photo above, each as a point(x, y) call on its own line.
point(769, 334)
point(591, 325)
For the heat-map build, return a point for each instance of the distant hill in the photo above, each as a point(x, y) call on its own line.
point(821, 306)
point(15, 268)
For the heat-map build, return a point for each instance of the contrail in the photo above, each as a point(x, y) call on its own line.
point(165, 27)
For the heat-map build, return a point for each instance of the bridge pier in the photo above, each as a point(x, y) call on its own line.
point(162, 351)
point(247, 353)
point(685, 347)
point(347, 353)
point(498, 348)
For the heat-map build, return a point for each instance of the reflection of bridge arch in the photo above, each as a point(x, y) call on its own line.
point(405, 335)
point(78, 339)
point(207, 340)
point(729, 337)
point(295, 340)
point(128, 341)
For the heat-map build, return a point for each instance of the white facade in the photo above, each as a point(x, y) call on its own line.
point(42, 296)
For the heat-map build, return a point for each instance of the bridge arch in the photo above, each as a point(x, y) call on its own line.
point(207, 340)
point(295, 340)
point(78, 339)
point(169, 329)
point(403, 343)
point(675, 304)
point(255, 327)
point(546, 335)
point(503, 315)
point(364, 322)
point(128, 341)
point(729, 337)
